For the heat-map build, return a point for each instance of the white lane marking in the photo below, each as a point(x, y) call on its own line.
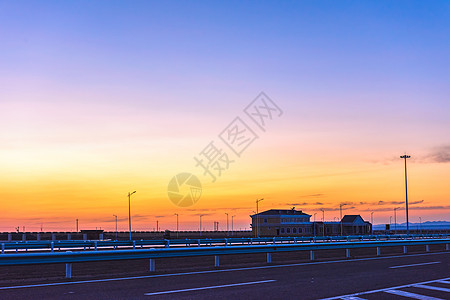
point(431, 287)
point(386, 289)
point(219, 271)
point(414, 265)
point(411, 295)
point(208, 287)
point(352, 298)
point(443, 281)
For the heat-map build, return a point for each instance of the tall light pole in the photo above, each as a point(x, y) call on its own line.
point(228, 228)
point(116, 225)
point(340, 210)
point(390, 222)
point(420, 225)
point(395, 220)
point(232, 228)
point(177, 224)
point(406, 194)
point(323, 221)
point(314, 224)
point(129, 211)
point(257, 216)
point(371, 221)
point(77, 226)
point(201, 224)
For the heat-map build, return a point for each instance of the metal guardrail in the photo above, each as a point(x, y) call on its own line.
point(69, 257)
point(102, 244)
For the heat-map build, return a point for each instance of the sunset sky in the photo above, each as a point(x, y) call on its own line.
point(100, 98)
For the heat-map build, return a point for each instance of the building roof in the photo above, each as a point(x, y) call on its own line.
point(352, 219)
point(272, 212)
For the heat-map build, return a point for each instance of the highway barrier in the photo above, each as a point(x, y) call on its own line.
point(70, 257)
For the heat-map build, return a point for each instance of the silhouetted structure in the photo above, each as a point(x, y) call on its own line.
point(291, 222)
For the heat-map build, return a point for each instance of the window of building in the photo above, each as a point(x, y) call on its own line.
point(265, 220)
point(282, 230)
point(288, 230)
point(294, 230)
point(300, 230)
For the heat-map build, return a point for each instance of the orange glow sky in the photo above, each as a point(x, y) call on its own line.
point(92, 108)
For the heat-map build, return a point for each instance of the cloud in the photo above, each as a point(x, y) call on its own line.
point(312, 195)
point(416, 202)
point(391, 202)
point(440, 154)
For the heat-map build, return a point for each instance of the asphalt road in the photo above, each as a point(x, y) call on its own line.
point(312, 280)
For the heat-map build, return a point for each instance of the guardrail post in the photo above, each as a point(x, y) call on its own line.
point(405, 249)
point(347, 253)
point(378, 251)
point(38, 237)
point(311, 254)
point(427, 248)
point(216, 260)
point(251, 241)
point(3, 248)
point(152, 265)
point(274, 240)
point(9, 237)
point(198, 242)
point(269, 257)
point(24, 236)
point(167, 244)
point(52, 246)
point(95, 245)
point(348, 238)
point(68, 270)
point(134, 245)
point(226, 242)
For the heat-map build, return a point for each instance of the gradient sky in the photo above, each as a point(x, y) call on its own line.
point(98, 98)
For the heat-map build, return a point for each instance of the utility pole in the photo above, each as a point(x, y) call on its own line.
point(257, 216)
point(406, 194)
point(77, 226)
point(228, 228)
point(129, 211)
point(177, 224)
point(116, 225)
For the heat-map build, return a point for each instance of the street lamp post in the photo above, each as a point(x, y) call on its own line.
point(77, 226)
point(395, 220)
point(340, 210)
point(201, 224)
point(371, 221)
point(228, 228)
point(390, 222)
point(257, 216)
point(129, 211)
point(406, 194)
point(314, 224)
point(323, 221)
point(232, 223)
point(116, 225)
point(420, 225)
point(177, 224)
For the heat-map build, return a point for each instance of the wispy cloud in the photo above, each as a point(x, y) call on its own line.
point(440, 154)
